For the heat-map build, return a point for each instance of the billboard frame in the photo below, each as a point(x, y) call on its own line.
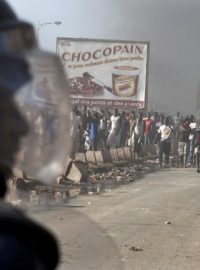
point(118, 41)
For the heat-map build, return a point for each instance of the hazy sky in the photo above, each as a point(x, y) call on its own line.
point(171, 26)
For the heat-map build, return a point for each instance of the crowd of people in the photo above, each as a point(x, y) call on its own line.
point(93, 130)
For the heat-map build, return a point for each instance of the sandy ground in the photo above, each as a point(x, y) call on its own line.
point(152, 223)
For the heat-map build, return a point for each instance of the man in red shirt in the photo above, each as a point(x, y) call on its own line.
point(147, 129)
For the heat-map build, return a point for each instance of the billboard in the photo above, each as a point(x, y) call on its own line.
point(106, 73)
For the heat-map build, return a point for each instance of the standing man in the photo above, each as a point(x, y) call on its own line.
point(197, 147)
point(155, 119)
point(102, 130)
point(124, 130)
point(183, 144)
point(193, 126)
point(75, 132)
point(148, 122)
point(138, 135)
point(165, 141)
point(177, 122)
point(94, 130)
point(115, 135)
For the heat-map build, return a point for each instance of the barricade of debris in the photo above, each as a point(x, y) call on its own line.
point(82, 177)
point(111, 178)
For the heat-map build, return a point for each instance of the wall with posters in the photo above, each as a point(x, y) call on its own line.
point(106, 73)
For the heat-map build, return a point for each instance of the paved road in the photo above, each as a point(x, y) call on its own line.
point(97, 232)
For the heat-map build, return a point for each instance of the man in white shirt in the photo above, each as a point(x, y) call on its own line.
point(165, 141)
point(114, 135)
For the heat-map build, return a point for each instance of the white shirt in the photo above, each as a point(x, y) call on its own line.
point(115, 120)
point(193, 127)
point(165, 132)
point(102, 125)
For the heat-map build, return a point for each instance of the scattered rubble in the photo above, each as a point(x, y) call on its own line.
point(136, 249)
point(72, 193)
point(77, 171)
point(111, 177)
point(168, 222)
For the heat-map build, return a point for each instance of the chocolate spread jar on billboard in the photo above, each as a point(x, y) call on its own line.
point(125, 81)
